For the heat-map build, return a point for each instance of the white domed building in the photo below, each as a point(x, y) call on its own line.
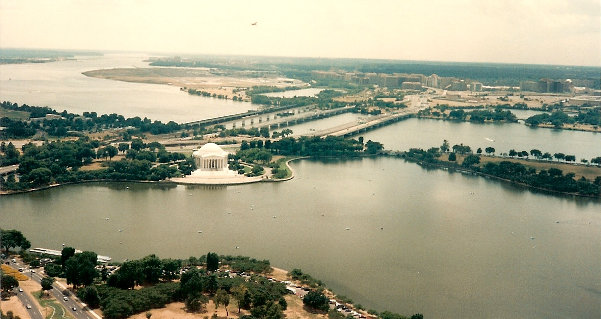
point(211, 158)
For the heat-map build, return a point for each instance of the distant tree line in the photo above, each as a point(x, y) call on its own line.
point(68, 123)
point(559, 118)
point(476, 116)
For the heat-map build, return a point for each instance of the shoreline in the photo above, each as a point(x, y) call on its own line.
point(164, 182)
point(439, 165)
point(464, 170)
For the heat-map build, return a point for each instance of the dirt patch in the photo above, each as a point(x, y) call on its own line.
point(296, 310)
point(177, 310)
point(14, 304)
point(208, 80)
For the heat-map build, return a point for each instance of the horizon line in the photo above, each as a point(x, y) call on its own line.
point(173, 54)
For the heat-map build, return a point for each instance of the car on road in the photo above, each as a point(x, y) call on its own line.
point(74, 309)
point(66, 298)
point(28, 306)
point(20, 289)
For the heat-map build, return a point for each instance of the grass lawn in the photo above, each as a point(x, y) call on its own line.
point(590, 172)
point(13, 115)
point(52, 309)
point(282, 165)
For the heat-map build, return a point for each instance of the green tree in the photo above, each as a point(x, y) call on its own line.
point(222, 298)
point(452, 157)
point(445, 146)
point(47, 283)
point(81, 269)
point(12, 238)
point(212, 261)
point(490, 150)
point(38, 177)
point(373, 147)
point(53, 270)
point(66, 253)
point(137, 144)
point(316, 300)
point(264, 132)
point(90, 296)
point(196, 302)
point(559, 156)
point(123, 147)
point(239, 292)
point(9, 283)
point(470, 160)
point(152, 267)
point(111, 151)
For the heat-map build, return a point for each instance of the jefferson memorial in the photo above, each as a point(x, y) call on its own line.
point(212, 169)
point(211, 158)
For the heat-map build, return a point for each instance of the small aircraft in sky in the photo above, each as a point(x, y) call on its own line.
point(254, 23)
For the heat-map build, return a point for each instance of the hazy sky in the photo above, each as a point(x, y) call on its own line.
point(528, 31)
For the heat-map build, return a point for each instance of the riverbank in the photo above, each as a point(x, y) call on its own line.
point(480, 169)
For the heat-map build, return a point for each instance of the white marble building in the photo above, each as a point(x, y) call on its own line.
point(211, 158)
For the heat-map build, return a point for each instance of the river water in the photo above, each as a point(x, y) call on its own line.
point(426, 133)
point(61, 85)
point(429, 241)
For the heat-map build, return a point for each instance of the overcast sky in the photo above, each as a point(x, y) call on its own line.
point(529, 31)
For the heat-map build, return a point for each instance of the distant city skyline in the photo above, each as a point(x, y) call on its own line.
point(565, 32)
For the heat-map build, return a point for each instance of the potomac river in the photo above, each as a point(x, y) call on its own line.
point(430, 241)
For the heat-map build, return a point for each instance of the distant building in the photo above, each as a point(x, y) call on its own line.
point(432, 81)
point(529, 86)
point(460, 85)
point(411, 86)
point(326, 75)
point(476, 87)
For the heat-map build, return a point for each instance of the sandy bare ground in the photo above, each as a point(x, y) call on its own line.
point(14, 304)
point(196, 78)
point(177, 310)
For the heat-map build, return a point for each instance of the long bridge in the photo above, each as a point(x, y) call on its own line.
point(350, 129)
point(270, 119)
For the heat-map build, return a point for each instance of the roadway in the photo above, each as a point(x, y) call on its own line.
point(28, 304)
point(81, 311)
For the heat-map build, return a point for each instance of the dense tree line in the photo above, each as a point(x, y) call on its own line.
point(323, 100)
point(195, 288)
point(262, 89)
point(60, 162)
point(559, 118)
point(316, 146)
point(552, 179)
point(481, 116)
point(68, 123)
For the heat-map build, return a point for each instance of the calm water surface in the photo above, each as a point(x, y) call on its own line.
point(61, 85)
point(430, 241)
point(426, 133)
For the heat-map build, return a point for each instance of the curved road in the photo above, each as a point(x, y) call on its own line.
point(80, 312)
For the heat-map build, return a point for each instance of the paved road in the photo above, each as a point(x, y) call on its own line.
point(26, 300)
point(29, 305)
point(72, 301)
